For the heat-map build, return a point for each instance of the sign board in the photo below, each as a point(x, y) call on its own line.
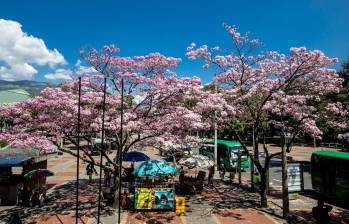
point(163, 198)
point(295, 177)
point(154, 198)
point(144, 198)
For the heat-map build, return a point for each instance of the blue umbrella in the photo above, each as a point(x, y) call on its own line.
point(155, 168)
point(135, 156)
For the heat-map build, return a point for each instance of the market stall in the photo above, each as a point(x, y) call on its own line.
point(154, 185)
point(194, 184)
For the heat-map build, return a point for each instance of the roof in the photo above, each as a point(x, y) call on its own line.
point(12, 161)
point(224, 142)
point(334, 154)
point(15, 152)
point(13, 96)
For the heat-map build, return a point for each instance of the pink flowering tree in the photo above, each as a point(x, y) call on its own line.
point(256, 85)
point(154, 104)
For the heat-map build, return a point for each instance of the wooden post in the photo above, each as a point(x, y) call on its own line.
point(285, 196)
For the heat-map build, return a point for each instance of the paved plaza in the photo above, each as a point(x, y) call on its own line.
point(224, 203)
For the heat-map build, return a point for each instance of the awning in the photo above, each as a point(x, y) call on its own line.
point(12, 161)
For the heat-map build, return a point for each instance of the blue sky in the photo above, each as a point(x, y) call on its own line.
point(140, 27)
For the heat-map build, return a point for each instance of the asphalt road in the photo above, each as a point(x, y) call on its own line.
point(275, 174)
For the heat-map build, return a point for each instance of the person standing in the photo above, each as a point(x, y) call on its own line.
point(90, 170)
point(222, 172)
point(181, 179)
point(210, 175)
point(107, 175)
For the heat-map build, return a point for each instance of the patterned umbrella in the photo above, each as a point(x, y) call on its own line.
point(154, 168)
point(38, 172)
point(196, 161)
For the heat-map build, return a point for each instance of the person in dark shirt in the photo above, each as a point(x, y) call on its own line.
point(15, 219)
point(210, 175)
point(107, 175)
point(90, 170)
point(222, 172)
point(320, 213)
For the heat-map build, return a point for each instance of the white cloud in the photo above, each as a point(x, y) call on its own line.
point(66, 74)
point(20, 52)
point(62, 74)
point(80, 69)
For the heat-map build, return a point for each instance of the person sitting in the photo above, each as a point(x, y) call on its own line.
point(320, 213)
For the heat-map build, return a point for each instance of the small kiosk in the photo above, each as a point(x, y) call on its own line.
point(154, 195)
point(154, 186)
point(14, 163)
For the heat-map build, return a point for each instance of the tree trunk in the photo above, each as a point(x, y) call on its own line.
point(263, 188)
point(267, 179)
point(116, 189)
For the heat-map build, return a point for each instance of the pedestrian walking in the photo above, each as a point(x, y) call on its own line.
point(210, 175)
point(90, 170)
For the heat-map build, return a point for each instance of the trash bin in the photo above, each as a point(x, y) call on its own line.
point(180, 205)
point(255, 178)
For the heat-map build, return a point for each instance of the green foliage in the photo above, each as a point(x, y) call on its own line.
point(3, 143)
point(190, 103)
point(329, 132)
point(344, 73)
point(209, 88)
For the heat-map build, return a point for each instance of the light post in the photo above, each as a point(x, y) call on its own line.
point(251, 161)
point(215, 136)
point(101, 154)
point(78, 156)
point(121, 147)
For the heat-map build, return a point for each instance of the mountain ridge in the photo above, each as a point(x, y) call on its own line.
point(32, 87)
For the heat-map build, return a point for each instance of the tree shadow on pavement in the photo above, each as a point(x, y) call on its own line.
point(234, 197)
point(61, 201)
point(151, 217)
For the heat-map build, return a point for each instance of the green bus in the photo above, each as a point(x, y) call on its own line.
point(227, 153)
point(330, 177)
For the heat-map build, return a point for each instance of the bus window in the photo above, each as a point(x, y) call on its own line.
point(315, 165)
point(342, 169)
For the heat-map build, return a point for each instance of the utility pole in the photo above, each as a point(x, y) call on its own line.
point(285, 197)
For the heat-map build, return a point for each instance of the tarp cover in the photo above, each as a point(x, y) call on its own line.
point(154, 168)
point(135, 156)
point(12, 161)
